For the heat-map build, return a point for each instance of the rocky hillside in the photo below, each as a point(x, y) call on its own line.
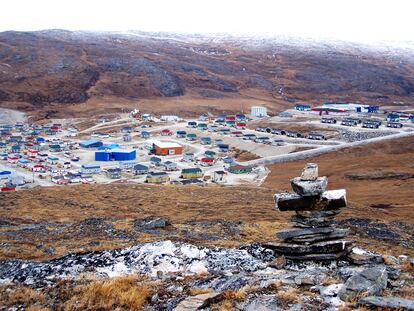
point(71, 67)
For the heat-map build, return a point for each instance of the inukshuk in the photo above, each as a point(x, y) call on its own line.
point(314, 236)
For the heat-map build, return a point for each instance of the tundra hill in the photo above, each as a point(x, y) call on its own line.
point(48, 71)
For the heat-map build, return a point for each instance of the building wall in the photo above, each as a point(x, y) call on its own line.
point(167, 151)
point(192, 175)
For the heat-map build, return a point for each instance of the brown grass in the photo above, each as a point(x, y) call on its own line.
point(124, 292)
point(289, 295)
point(199, 291)
point(21, 295)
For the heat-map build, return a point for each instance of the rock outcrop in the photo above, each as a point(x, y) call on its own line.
point(314, 237)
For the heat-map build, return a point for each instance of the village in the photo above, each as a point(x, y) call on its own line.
point(138, 147)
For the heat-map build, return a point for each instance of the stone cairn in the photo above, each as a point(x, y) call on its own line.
point(314, 237)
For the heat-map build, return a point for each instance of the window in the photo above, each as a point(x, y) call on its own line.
point(171, 151)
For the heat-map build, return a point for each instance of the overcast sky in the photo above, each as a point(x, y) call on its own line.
point(350, 20)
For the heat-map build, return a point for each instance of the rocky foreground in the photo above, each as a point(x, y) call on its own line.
point(200, 277)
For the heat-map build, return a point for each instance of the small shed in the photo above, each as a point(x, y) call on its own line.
point(145, 134)
point(219, 176)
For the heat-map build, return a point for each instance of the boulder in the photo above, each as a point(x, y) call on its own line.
point(305, 222)
point(329, 200)
point(316, 248)
point(309, 187)
point(318, 214)
point(388, 303)
point(359, 256)
point(371, 281)
point(311, 235)
point(194, 302)
point(309, 172)
point(151, 223)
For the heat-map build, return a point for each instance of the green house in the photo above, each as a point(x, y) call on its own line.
point(191, 136)
point(240, 169)
point(210, 154)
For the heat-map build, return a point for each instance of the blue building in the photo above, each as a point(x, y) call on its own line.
point(91, 143)
point(115, 155)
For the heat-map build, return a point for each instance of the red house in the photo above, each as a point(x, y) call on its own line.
point(230, 118)
point(241, 125)
point(166, 132)
point(207, 161)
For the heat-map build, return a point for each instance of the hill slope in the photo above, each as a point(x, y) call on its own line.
point(58, 66)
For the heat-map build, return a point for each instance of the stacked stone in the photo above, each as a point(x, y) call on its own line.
point(314, 237)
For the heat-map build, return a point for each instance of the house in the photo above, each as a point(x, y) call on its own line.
point(231, 123)
point(145, 134)
point(278, 142)
point(157, 178)
point(205, 140)
point(23, 162)
point(316, 136)
point(181, 134)
point(209, 154)
point(155, 161)
point(167, 148)
point(219, 176)
point(206, 161)
point(212, 128)
point(126, 138)
point(224, 131)
point(52, 160)
point(302, 107)
point(240, 117)
point(192, 124)
point(127, 165)
point(223, 147)
point(67, 165)
point(285, 114)
point(91, 143)
point(202, 126)
point(240, 169)
point(228, 160)
point(263, 140)
point(140, 169)
point(191, 173)
point(203, 117)
point(170, 118)
point(241, 125)
point(237, 134)
point(113, 173)
point(191, 137)
point(166, 132)
point(170, 166)
point(126, 129)
point(90, 169)
point(217, 142)
point(39, 168)
point(188, 157)
point(55, 148)
point(230, 118)
point(191, 181)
